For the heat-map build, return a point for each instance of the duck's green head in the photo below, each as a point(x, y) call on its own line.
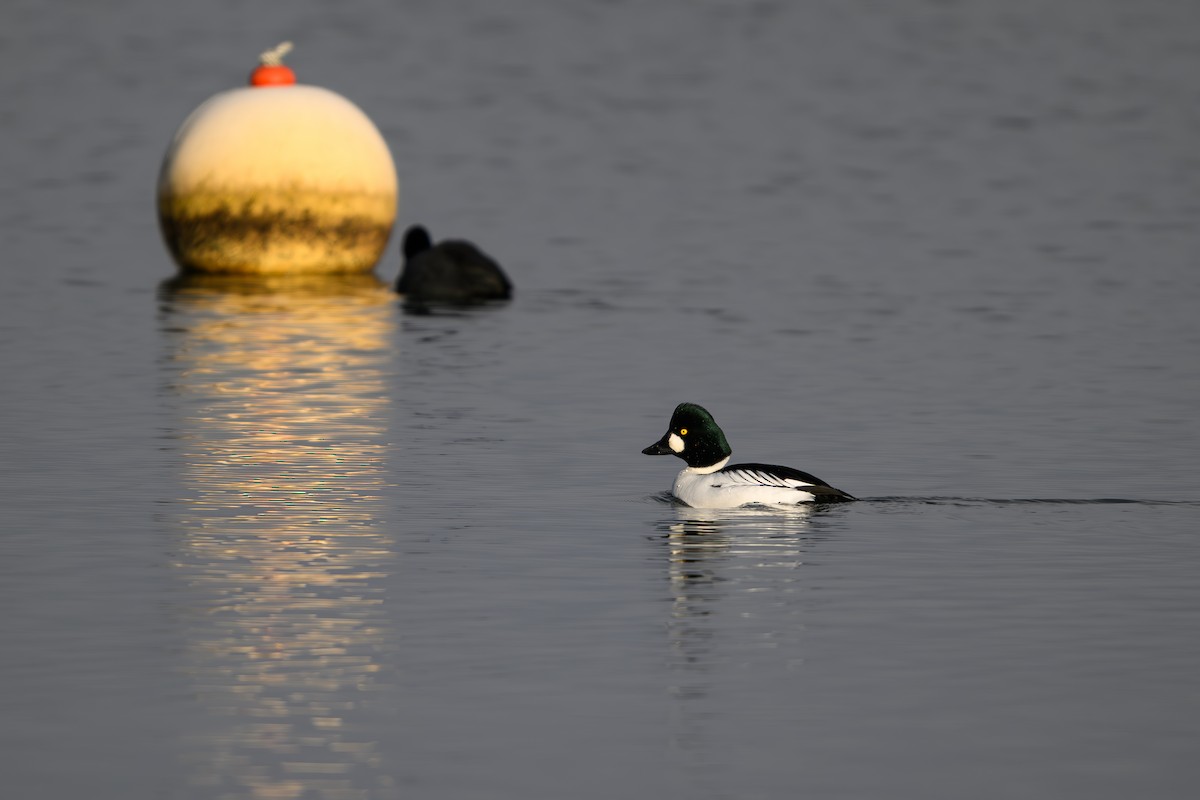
point(694, 436)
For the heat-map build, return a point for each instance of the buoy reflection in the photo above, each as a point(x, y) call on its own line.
point(282, 430)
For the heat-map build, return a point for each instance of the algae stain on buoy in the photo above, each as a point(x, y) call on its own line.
point(277, 178)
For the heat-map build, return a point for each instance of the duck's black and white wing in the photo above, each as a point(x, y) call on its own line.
point(777, 477)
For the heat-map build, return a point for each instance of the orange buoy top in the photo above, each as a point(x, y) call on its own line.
point(271, 70)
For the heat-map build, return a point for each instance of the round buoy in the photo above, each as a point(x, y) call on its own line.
point(277, 178)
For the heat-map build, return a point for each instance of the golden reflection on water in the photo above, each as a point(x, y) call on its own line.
point(282, 429)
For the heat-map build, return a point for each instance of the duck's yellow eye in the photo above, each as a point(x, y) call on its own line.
point(683, 431)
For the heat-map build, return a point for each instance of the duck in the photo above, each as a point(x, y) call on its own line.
point(453, 271)
point(710, 481)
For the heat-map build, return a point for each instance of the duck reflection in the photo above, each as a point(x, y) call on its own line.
point(711, 552)
point(714, 557)
point(281, 437)
point(701, 543)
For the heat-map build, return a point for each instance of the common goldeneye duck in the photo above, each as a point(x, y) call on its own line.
point(708, 481)
point(453, 272)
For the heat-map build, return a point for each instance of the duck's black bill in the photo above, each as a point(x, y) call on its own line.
point(660, 448)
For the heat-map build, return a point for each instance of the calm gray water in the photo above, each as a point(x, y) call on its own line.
point(305, 545)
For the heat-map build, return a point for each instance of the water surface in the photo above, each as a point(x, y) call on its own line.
point(300, 543)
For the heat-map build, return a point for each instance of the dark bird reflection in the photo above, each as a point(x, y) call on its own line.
point(279, 437)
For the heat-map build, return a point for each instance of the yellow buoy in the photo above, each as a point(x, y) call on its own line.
point(275, 179)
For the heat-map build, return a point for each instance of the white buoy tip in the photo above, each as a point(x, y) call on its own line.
point(274, 56)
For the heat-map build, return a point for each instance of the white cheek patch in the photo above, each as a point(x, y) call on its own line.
point(675, 442)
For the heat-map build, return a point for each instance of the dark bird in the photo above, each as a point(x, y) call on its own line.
point(453, 271)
